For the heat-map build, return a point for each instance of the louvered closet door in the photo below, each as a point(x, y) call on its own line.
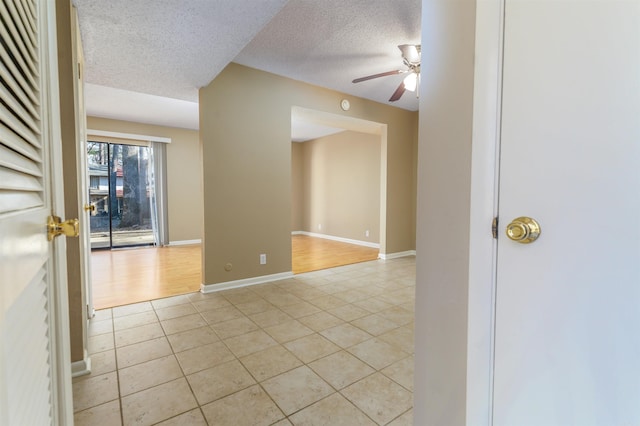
point(29, 378)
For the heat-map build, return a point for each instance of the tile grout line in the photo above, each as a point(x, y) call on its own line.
point(115, 356)
point(184, 376)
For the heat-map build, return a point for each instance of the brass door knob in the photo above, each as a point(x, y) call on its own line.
point(523, 230)
point(90, 208)
point(55, 227)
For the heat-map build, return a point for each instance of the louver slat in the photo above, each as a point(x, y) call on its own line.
point(17, 181)
point(12, 160)
point(11, 200)
point(14, 142)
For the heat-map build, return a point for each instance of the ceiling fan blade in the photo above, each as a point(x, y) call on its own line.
point(382, 74)
point(410, 52)
point(398, 93)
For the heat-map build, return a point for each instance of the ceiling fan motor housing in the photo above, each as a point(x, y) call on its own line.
point(411, 58)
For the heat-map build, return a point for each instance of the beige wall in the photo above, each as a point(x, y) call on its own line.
point(297, 186)
point(444, 187)
point(184, 173)
point(245, 122)
point(341, 186)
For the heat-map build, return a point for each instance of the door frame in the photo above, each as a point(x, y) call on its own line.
point(112, 138)
point(60, 351)
point(485, 170)
point(83, 197)
point(354, 124)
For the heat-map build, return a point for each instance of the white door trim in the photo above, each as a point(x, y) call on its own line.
point(131, 136)
point(484, 201)
point(82, 171)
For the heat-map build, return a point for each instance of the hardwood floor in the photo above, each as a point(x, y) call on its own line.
point(121, 277)
point(311, 254)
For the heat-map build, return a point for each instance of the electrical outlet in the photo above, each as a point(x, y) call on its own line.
point(319, 227)
point(366, 233)
point(263, 259)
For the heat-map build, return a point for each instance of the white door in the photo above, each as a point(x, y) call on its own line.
point(34, 352)
point(567, 338)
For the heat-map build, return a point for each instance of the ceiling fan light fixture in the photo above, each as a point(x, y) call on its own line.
point(411, 81)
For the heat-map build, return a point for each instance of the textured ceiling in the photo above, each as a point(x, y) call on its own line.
point(330, 42)
point(166, 47)
point(170, 48)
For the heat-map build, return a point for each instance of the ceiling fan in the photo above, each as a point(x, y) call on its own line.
point(411, 58)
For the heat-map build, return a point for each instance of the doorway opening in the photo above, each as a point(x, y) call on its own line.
point(338, 190)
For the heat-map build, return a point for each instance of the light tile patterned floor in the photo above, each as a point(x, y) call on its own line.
point(332, 347)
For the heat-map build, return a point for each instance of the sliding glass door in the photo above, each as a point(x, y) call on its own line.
point(122, 191)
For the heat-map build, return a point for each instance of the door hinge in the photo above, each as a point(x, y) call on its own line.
point(494, 227)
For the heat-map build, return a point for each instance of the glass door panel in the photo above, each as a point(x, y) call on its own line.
point(100, 222)
point(121, 189)
point(131, 226)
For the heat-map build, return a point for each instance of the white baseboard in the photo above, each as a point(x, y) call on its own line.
point(82, 367)
point(184, 242)
point(390, 256)
point(342, 240)
point(211, 288)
